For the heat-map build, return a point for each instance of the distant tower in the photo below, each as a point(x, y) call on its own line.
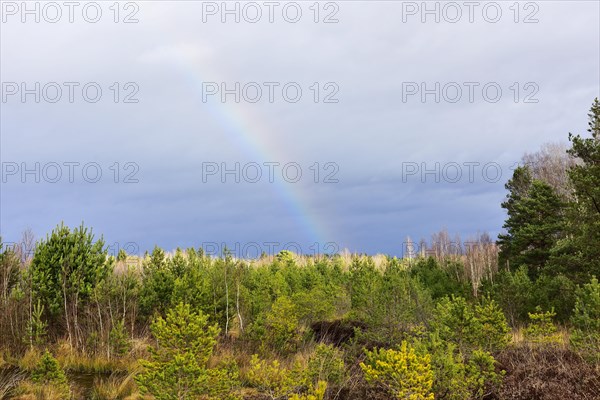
point(410, 249)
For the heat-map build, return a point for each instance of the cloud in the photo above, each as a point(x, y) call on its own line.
point(370, 134)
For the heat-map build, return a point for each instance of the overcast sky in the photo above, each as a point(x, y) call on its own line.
point(361, 106)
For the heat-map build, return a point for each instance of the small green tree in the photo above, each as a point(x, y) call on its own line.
point(282, 328)
point(118, 339)
point(541, 328)
point(585, 210)
point(586, 320)
point(49, 372)
point(482, 326)
point(65, 269)
point(271, 378)
point(177, 368)
point(492, 330)
point(403, 372)
point(326, 364)
point(36, 326)
point(481, 376)
point(454, 320)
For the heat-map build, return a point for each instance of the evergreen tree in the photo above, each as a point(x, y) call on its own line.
point(534, 223)
point(580, 255)
point(65, 269)
point(177, 368)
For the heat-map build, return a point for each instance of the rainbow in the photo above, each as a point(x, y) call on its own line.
point(259, 142)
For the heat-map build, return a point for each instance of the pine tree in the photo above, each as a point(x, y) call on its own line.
point(65, 269)
point(585, 209)
point(534, 223)
point(177, 368)
point(406, 374)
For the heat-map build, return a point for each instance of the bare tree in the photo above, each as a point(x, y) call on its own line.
point(550, 164)
point(481, 260)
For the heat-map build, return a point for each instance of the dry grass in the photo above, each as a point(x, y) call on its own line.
point(562, 339)
point(27, 390)
point(73, 361)
point(547, 374)
point(30, 359)
point(115, 387)
point(9, 379)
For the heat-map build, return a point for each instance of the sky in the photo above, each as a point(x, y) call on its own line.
point(262, 126)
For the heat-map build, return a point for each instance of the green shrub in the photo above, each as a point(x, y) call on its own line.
point(492, 331)
point(482, 326)
point(482, 378)
point(403, 372)
point(177, 368)
point(118, 339)
point(458, 376)
point(279, 382)
point(281, 327)
point(49, 373)
point(326, 364)
point(541, 329)
point(586, 320)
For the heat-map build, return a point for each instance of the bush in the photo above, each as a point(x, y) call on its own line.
point(541, 329)
point(118, 340)
point(458, 376)
point(586, 320)
point(403, 372)
point(277, 381)
point(482, 378)
point(281, 327)
point(480, 327)
point(49, 373)
point(326, 364)
point(492, 330)
point(177, 367)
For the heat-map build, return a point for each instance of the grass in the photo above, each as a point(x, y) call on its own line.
point(9, 379)
point(115, 387)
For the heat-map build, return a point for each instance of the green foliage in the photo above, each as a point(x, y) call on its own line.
point(49, 372)
point(364, 281)
point(9, 271)
point(585, 209)
point(541, 328)
point(118, 339)
point(514, 292)
point(534, 223)
point(458, 375)
point(403, 372)
point(554, 292)
point(517, 294)
point(586, 320)
point(449, 370)
point(316, 392)
point(285, 257)
point(281, 327)
point(36, 326)
point(482, 326)
point(440, 282)
point(122, 255)
point(157, 285)
point(454, 320)
point(66, 267)
point(177, 368)
point(280, 382)
point(401, 303)
point(492, 332)
point(326, 364)
point(481, 377)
